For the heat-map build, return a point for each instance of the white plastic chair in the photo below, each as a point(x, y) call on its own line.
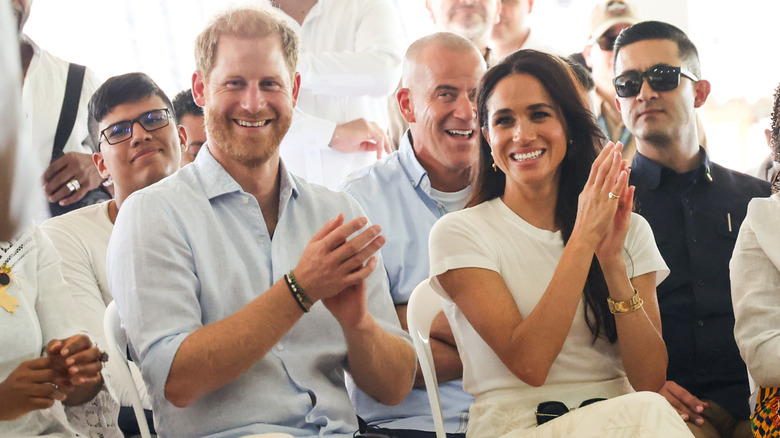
point(117, 347)
point(424, 304)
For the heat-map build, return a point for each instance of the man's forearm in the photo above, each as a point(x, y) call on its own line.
point(217, 354)
point(383, 365)
point(446, 361)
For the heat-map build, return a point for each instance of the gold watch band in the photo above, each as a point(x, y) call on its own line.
point(627, 306)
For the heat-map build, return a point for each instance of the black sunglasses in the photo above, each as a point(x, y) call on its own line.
point(550, 410)
point(606, 42)
point(150, 121)
point(660, 77)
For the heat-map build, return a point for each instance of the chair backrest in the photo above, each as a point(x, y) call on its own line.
point(424, 304)
point(117, 348)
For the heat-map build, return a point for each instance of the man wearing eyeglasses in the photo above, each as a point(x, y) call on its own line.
point(139, 143)
point(695, 208)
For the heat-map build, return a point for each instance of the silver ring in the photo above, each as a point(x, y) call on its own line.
point(613, 196)
point(73, 185)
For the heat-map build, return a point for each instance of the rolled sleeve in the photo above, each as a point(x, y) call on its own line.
point(151, 274)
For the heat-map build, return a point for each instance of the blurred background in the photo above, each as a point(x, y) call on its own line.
point(119, 36)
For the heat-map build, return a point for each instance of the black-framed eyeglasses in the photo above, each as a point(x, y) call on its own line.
point(150, 121)
point(606, 42)
point(550, 410)
point(660, 77)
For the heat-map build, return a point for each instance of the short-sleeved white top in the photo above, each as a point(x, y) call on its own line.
point(491, 236)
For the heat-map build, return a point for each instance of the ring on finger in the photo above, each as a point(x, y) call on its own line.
point(613, 196)
point(73, 185)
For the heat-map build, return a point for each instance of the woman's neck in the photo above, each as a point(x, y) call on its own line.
point(536, 205)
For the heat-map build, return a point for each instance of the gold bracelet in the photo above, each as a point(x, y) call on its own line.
point(627, 306)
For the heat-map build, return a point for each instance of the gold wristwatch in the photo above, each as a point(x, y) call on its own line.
point(627, 306)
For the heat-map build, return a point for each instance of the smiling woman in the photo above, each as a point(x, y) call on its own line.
point(550, 268)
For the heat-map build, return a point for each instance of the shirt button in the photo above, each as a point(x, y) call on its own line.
point(700, 283)
point(245, 200)
point(694, 240)
point(686, 200)
point(280, 347)
point(261, 241)
point(700, 323)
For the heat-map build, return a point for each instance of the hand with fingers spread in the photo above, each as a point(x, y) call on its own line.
point(360, 135)
point(70, 177)
point(28, 388)
point(599, 201)
point(332, 262)
point(687, 405)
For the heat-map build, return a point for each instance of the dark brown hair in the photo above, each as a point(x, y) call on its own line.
point(585, 141)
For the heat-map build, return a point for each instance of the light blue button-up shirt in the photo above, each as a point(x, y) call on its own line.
point(395, 193)
point(194, 249)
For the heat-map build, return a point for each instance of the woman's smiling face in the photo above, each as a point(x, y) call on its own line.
point(526, 131)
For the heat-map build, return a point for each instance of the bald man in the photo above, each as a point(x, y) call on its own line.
point(406, 193)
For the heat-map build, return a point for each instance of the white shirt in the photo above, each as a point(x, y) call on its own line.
point(755, 290)
point(42, 95)
point(81, 237)
point(43, 313)
point(491, 236)
point(350, 61)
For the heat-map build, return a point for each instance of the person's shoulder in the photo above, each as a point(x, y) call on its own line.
point(89, 217)
point(377, 174)
point(765, 207)
point(741, 182)
point(178, 189)
point(469, 217)
point(322, 197)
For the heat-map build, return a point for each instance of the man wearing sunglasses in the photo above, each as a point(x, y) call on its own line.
point(695, 208)
point(139, 143)
point(607, 20)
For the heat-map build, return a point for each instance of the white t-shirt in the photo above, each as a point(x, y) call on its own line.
point(491, 236)
point(81, 237)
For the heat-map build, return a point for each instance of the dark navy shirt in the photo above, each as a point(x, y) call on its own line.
point(695, 217)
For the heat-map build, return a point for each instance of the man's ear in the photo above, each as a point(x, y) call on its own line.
point(617, 103)
point(405, 104)
point(182, 137)
point(97, 158)
point(530, 6)
point(702, 89)
point(429, 7)
point(586, 55)
point(296, 87)
point(199, 88)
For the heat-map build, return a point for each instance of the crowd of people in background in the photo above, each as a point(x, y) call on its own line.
point(262, 232)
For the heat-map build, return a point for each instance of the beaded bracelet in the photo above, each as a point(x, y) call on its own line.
point(303, 300)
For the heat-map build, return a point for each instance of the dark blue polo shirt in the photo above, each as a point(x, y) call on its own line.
point(695, 217)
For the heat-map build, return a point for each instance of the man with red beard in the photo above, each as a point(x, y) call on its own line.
point(217, 271)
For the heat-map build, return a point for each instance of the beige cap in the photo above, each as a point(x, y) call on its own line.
point(609, 13)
